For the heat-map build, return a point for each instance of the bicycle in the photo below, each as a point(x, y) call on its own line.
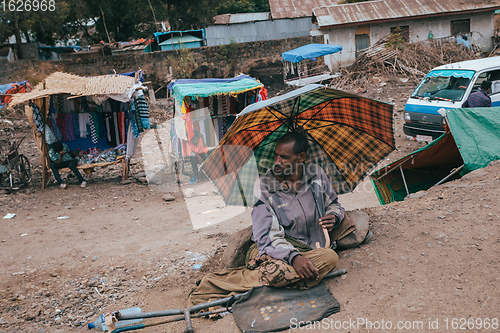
point(15, 168)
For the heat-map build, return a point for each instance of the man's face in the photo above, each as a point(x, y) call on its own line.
point(286, 161)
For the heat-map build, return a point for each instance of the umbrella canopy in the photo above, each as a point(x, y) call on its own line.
point(347, 136)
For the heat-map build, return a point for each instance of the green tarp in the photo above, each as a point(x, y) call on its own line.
point(473, 141)
point(477, 135)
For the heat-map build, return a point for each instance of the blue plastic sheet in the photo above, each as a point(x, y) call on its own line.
point(311, 51)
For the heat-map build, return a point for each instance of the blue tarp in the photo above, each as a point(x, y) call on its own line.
point(6, 87)
point(311, 51)
point(132, 74)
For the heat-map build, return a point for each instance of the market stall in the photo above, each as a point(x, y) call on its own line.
point(100, 118)
point(300, 65)
point(209, 107)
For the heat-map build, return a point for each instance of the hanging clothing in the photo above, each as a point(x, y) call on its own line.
point(50, 138)
point(110, 129)
point(203, 131)
point(131, 142)
point(52, 108)
point(59, 103)
point(55, 128)
point(133, 123)
point(76, 125)
point(70, 133)
point(117, 129)
point(180, 127)
point(61, 124)
point(83, 122)
point(224, 107)
point(106, 106)
point(123, 107)
point(68, 106)
point(85, 104)
point(189, 125)
point(185, 107)
point(142, 108)
point(93, 133)
point(263, 94)
point(122, 128)
point(95, 118)
point(37, 118)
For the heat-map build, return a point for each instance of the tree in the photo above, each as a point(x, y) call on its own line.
point(190, 14)
point(242, 6)
point(45, 25)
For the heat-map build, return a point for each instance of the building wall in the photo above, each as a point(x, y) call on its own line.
point(481, 26)
point(223, 60)
point(258, 31)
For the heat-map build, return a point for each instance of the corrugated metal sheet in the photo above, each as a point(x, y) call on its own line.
point(383, 10)
point(241, 18)
point(221, 34)
point(281, 9)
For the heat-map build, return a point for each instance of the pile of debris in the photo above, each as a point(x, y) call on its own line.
point(392, 56)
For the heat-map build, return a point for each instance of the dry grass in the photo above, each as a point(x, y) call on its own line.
point(412, 61)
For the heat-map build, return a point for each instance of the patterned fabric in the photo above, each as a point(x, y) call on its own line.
point(276, 273)
point(133, 123)
point(60, 103)
point(50, 138)
point(93, 132)
point(143, 110)
point(37, 117)
point(95, 118)
point(348, 135)
point(76, 126)
point(134, 113)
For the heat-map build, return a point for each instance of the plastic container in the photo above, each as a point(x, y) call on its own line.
point(101, 325)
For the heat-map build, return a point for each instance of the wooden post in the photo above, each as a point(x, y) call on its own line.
point(43, 150)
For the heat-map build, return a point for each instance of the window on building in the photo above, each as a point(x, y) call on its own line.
point(403, 31)
point(460, 27)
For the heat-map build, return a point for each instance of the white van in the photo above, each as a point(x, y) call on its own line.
point(447, 86)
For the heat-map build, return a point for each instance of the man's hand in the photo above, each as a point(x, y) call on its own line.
point(328, 221)
point(304, 267)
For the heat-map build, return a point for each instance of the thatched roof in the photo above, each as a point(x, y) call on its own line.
point(64, 83)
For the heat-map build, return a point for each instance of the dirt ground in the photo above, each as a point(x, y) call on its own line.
point(69, 255)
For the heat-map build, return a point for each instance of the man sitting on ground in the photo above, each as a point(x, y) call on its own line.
point(294, 203)
point(62, 157)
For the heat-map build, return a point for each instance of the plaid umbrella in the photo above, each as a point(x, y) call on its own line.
point(347, 135)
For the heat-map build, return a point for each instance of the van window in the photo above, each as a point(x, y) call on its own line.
point(493, 76)
point(444, 85)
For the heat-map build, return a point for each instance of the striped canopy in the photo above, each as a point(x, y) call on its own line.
point(347, 135)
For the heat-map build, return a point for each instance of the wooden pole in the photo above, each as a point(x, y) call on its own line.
point(43, 151)
point(154, 16)
point(104, 23)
